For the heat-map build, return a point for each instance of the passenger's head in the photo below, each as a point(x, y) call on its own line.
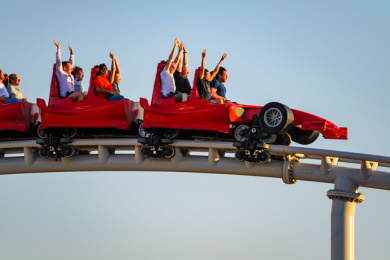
point(185, 72)
point(207, 75)
point(2, 76)
point(117, 78)
point(103, 71)
point(67, 67)
point(78, 73)
point(222, 75)
point(14, 79)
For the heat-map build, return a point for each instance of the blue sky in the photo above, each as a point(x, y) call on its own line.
point(329, 58)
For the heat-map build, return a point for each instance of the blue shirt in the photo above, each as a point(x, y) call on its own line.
point(78, 86)
point(221, 89)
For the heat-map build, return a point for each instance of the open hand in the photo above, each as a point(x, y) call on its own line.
point(177, 43)
point(57, 44)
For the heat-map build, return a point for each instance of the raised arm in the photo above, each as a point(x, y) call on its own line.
point(217, 67)
point(185, 64)
point(71, 58)
point(58, 56)
point(170, 59)
point(178, 67)
point(179, 59)
point(112, 75)
point(201, 76)
point(117, 68)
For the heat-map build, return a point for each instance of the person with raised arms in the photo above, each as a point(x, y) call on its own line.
point(168, 86)
point(204, 79)
point(103, 85)
point(64, 75)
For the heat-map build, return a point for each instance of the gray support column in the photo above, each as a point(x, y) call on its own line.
point(344, 196)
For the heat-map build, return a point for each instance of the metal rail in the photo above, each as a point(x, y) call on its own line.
point(123, 154)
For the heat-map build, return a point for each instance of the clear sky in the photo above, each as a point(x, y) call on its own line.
point(329, 58)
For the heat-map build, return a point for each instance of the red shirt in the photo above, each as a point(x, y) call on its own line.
point(102, 81)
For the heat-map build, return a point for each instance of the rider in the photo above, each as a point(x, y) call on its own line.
point(64, 75)
point(204, 79)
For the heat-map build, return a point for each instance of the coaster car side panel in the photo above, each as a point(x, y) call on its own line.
point(18, 116)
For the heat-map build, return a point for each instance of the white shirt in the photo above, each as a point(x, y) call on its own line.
point(167, 82)
point(3, 91)
point(65, 80)
point(15, 90)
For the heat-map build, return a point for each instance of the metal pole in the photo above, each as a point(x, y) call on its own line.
point(344, 196)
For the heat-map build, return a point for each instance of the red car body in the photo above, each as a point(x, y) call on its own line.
point(18, 116)
point(199, 114)
point(92, 112)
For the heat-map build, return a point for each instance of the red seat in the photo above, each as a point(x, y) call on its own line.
point(157, 100)
point(92, 90)
point(194, 91)
point(54, 99)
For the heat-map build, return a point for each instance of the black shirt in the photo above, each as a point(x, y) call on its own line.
point(204, 90)
point(182, 83)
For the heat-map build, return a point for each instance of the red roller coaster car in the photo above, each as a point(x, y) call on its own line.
point(272, 123)
point(19, 119)
point(93, 116)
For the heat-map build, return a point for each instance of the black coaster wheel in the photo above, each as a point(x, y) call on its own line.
point(303, 136)
point(171, 133)
point(169, 152)
point(276, 118)
point(69, 132)
point(270, 139)
point(239, 155)
point(144, 152)
point(44, 152)
point(283, 139)
point(240, 133)
point(41, 133)
point(264, 157)
point(142, 132)
point(68, 151)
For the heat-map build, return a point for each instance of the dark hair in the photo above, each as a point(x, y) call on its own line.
point(64, 63)
point(76, 70)
point(206, 70)
point(101, 67)
point(11, 76)
point(221, 70)
point(5, 80)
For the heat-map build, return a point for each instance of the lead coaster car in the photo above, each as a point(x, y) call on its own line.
point(273, 123)
point(63, 119)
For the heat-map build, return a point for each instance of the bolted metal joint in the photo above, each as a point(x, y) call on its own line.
point(288, 169)
point(345, 195)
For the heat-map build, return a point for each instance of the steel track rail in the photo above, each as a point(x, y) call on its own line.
point(287, 164)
